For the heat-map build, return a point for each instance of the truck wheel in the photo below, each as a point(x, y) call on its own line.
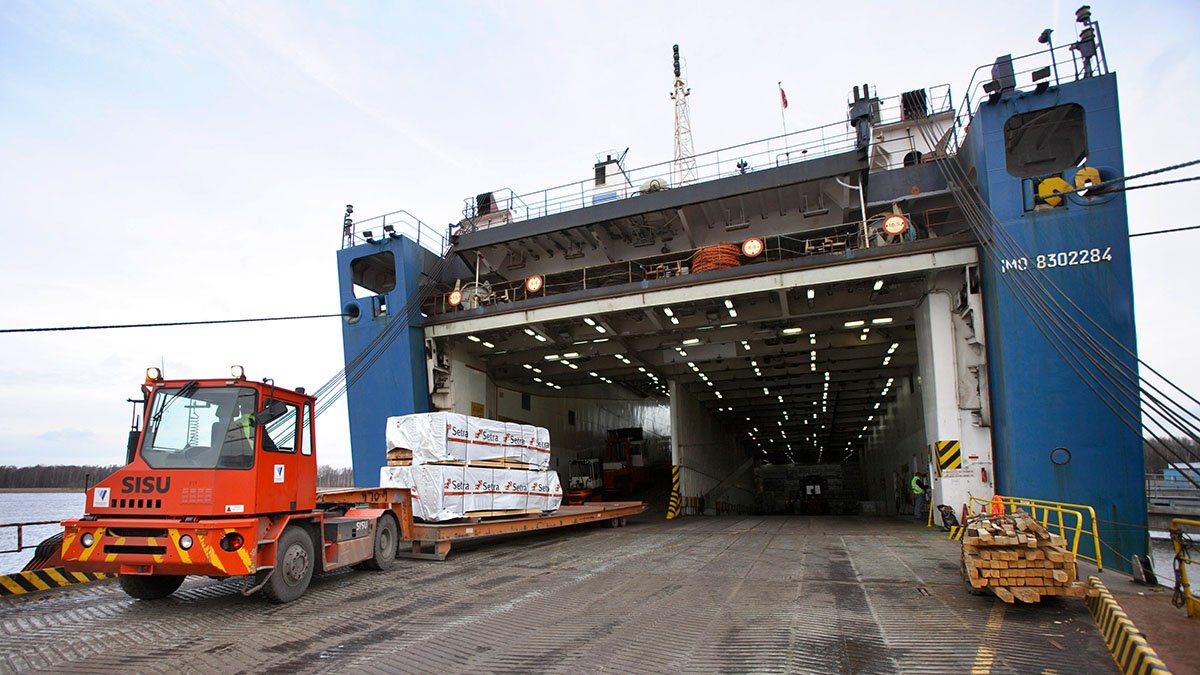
point(153, 587)
point(385, 546)
point(293, 566)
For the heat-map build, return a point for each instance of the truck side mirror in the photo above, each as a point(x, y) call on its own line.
point(270, 411)
point(131, 445)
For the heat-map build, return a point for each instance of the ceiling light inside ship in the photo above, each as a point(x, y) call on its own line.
point(472, 338)
point(878, 285)
point(793, 331)
point(881, 320)
point(853, 324)
point(589, 321)
point(692, 341)
point(571, 355)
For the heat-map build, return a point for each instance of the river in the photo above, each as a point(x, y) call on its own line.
point(24, 507)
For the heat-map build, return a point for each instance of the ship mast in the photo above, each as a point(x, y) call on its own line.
point(683, 171)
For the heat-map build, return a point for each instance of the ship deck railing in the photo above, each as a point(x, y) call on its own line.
point(776, 151)
point(394, 225)
point(1045, 68)
point(833, 240)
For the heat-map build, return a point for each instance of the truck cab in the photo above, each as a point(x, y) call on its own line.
point(220, 480)
point(215, 447)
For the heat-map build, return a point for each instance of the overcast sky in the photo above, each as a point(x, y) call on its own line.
point(176, 161)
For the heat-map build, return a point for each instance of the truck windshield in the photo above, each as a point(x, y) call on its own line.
point(201, 428)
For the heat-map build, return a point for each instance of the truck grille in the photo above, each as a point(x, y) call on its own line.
point(135, 549)
point(137, 532)
point(131, 503)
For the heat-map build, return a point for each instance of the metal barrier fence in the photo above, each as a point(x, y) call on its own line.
point(20, 534)
point(1073, 522)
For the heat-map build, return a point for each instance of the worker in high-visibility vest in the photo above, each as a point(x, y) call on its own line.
point(919, 486)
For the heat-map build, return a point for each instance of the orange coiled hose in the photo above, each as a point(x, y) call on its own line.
point(716, 257)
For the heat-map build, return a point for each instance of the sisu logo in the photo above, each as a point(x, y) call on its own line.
point(145, 484)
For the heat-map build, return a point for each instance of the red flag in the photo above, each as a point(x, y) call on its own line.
point(782, 96)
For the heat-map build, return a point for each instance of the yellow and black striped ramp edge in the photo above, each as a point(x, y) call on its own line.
point(956, 532)
point(948, 454)
point(20, 583)
point(1127, 644)
point(676, 500)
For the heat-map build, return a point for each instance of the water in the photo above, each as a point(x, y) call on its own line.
point(23, 507)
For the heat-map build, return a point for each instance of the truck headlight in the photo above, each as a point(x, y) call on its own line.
point(185, 542)
point(87, 540)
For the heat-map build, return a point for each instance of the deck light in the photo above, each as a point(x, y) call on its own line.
point(853, 324)
point(472, 338)
point(692, 341)
point(488, 345)
point(552, 357)
point(881, 320)
point(793, 331)
point(728, 304)
point(878, 285)
point(674, 321)
point(571, 355)
point(369, 236)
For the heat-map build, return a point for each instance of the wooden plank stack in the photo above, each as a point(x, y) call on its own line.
point(1016, 558)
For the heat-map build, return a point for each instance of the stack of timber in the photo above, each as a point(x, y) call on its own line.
point(1016, 558)
point(458, 466)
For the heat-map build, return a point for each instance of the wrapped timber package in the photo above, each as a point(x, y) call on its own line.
point(452, 437)
point(448, 491)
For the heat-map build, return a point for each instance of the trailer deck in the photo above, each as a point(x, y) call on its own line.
point(740, 594)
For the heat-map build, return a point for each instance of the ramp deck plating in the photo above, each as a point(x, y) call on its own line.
point(762, 594)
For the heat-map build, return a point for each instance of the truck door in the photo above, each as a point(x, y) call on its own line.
point(278, 475)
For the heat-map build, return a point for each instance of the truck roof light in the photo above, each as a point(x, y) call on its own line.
point(238, 372)
point(153, 374)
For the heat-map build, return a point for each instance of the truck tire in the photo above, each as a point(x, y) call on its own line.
point(386, 544)
point(153, 587)
point(293, 566)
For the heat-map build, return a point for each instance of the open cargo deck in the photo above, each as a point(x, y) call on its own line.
point(740, 594)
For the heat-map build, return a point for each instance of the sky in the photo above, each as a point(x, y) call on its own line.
point(180, 161)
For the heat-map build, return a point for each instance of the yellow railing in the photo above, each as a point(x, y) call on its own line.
point(1072, 521)
point(1183, 590)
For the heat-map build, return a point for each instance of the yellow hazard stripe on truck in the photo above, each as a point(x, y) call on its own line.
point(20, 583)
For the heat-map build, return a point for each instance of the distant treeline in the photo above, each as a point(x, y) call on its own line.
point(1179, 450)
point(77, 477)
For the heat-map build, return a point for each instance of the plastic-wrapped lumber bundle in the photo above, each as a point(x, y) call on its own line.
point(443, 492)
point(452, 437)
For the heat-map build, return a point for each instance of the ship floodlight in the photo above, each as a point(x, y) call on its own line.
point(238, 372)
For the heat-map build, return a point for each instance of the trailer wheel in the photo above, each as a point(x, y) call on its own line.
point(153, 587)
point(293, 566)
point(385, 546)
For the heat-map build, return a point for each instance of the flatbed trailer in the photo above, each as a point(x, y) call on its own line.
point(221, 482)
